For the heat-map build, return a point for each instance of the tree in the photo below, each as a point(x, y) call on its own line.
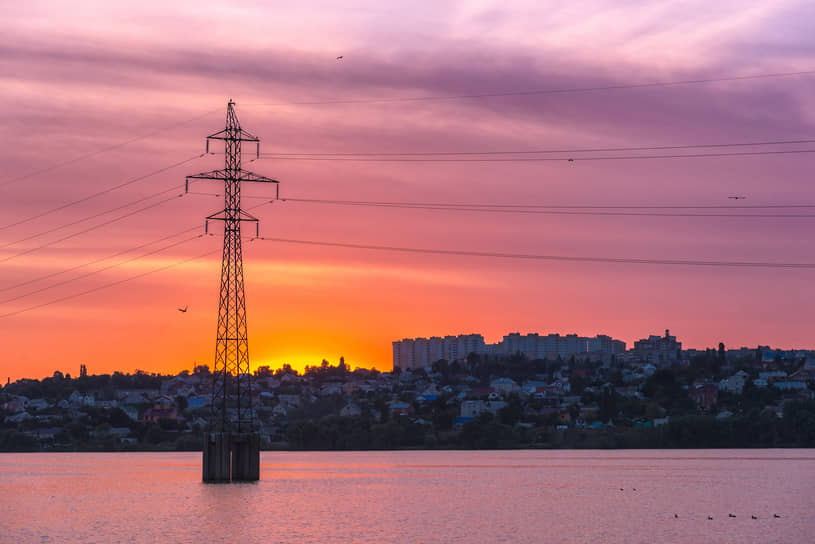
point(512, 412)
point(263, 371)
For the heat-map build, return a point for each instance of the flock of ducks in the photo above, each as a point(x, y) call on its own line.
point(676, 516)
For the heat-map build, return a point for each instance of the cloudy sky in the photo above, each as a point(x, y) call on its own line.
point(99, 95)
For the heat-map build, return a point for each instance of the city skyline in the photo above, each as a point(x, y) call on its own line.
point(114, 95)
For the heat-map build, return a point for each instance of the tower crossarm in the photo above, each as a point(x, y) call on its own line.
point(239, 134)
point(223, 215)
point(223, 175)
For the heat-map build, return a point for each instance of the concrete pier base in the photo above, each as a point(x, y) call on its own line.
point(245, 457)
point(231, 457)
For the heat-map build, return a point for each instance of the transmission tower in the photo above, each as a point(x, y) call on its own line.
point(232, 443)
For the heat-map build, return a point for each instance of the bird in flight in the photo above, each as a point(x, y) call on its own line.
point(339, 58)
point(737, 197)
point(183, 310)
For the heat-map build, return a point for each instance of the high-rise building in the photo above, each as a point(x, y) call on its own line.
point(658, 350)
point(423, 352)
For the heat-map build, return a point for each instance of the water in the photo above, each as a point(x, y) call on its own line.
point(427, 496)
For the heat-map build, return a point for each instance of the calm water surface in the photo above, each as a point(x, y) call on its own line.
point(487, 496)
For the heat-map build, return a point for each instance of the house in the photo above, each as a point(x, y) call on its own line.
point(14, 405)
point(772, 376)
point(802, 375)
point(400, 408)
point(735, 383)
point(132, 397)
point(476, 392)
point(131, 411)
point(331, 389)
point(704, 393)
point(504, 386)
point(470, 409)
point(37, 404)
point(530, 387)
point(790, 386)
point(163, 408)
point(290, 400)
point(200, 401)
point(177, 386)
point(350, 388)
point(19, 418)
point(351, 410)
point(75, 398)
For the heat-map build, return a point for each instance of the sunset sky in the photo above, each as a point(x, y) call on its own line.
point(82, 84)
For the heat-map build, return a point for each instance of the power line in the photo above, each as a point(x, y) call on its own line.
point(96, 261)
point(107, 285)
point(522, 206)
point(515, 210)
point(413, 99)
point(560, 258)
point(100, 193)
point(104, 150)
point(536, 206)
point(99, 270)
point(93, 216)
point(542, 91)
point(545, 159)
point(94, 227)
point(109, 257)
point(545, 151)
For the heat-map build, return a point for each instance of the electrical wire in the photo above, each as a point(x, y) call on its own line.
point(93, 216)
point(546, 206)
point(413, 99)
point(100, 193)
point(559, 258)
point(96, 261)
point(544, 159)
point(104, 149)
point(99, 270)
point(544, 209)
point(540, 91)
point(545, 151)
point(94, 227)
point(111, 267)
point(515, 210)
point(108, 285)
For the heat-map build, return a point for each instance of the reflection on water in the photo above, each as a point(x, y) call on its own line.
point(488, 496)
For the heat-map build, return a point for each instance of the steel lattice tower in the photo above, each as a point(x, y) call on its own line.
point(232, 411)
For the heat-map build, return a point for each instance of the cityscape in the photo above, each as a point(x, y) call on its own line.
point(532, 390)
